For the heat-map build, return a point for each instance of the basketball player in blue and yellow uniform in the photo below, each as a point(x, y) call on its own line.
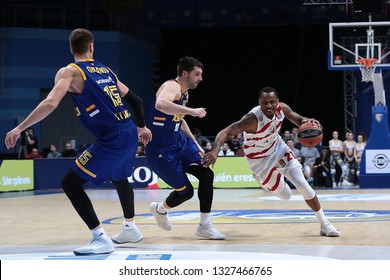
point(174, 152)
point(98, 97)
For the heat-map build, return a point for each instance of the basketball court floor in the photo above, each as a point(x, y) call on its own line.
point(43, 225)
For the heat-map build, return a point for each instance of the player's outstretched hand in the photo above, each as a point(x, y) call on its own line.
point(12, 137)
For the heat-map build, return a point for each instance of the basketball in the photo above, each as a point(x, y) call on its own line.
point(309, 134)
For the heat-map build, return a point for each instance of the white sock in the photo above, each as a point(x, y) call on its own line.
point(205, 218)
point(129, 224)
point(321, 217)
point(98, 231)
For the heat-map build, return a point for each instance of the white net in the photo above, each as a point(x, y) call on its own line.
point(367, 68)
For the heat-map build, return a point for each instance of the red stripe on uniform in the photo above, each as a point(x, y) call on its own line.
point(255, 155)
point(269, 177)
point(277, 182)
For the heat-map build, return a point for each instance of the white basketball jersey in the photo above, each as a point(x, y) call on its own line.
point(262, 143)
point(267, 155)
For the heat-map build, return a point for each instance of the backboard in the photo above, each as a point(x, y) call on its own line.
point(349, 41)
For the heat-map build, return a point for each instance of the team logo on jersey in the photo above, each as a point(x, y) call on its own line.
point(282, 163)
point(378, 117)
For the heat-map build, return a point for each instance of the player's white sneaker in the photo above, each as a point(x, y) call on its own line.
point(208, 231)
point(101, 244)
point(161, 219)
point(127, 234)
point(329, 231)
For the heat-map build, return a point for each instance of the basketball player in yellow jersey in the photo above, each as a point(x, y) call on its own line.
point(268, 156)
point(98, 96)
point(174, 151)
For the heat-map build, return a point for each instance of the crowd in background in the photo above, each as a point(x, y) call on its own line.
point(30, 148)
point(332, 165)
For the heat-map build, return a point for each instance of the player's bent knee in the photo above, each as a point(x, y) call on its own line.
point(188, 194)
point(176, 198)
point(285, 193)
point(71, 181)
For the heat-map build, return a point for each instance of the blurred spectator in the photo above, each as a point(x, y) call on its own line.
point(336, 148)
point(31, 140)
point(69, 151)
point(290, 143)
point(53, 152)
point(234, 144)
point(34, 154)
point(225, 150)
point(240, 138)
point(322, 170)
point(294, 136)
point(359, 148)
point(208, 147)
point(240, 151)
point(286, 135)
point(310, 154)
point(349, 157)
point(140, 150)
point(202, 140)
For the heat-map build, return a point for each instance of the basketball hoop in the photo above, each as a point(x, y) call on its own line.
point(367, 67)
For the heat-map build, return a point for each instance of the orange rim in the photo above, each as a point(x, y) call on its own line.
point(367, 62)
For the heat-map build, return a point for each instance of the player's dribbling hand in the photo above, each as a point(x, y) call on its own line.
point(312, 121)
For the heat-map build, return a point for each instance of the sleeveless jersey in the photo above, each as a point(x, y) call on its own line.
point(100, 108)
point(166, 128)
point(268, 156)
point(262, 143)
point(171, 153)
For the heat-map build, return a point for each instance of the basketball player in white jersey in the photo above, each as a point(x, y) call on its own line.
point(268, 156)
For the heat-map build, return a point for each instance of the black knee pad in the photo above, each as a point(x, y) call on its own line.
point(176, 198)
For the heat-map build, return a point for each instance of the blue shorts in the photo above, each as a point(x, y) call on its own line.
point(171, 163)
point(111, 156)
